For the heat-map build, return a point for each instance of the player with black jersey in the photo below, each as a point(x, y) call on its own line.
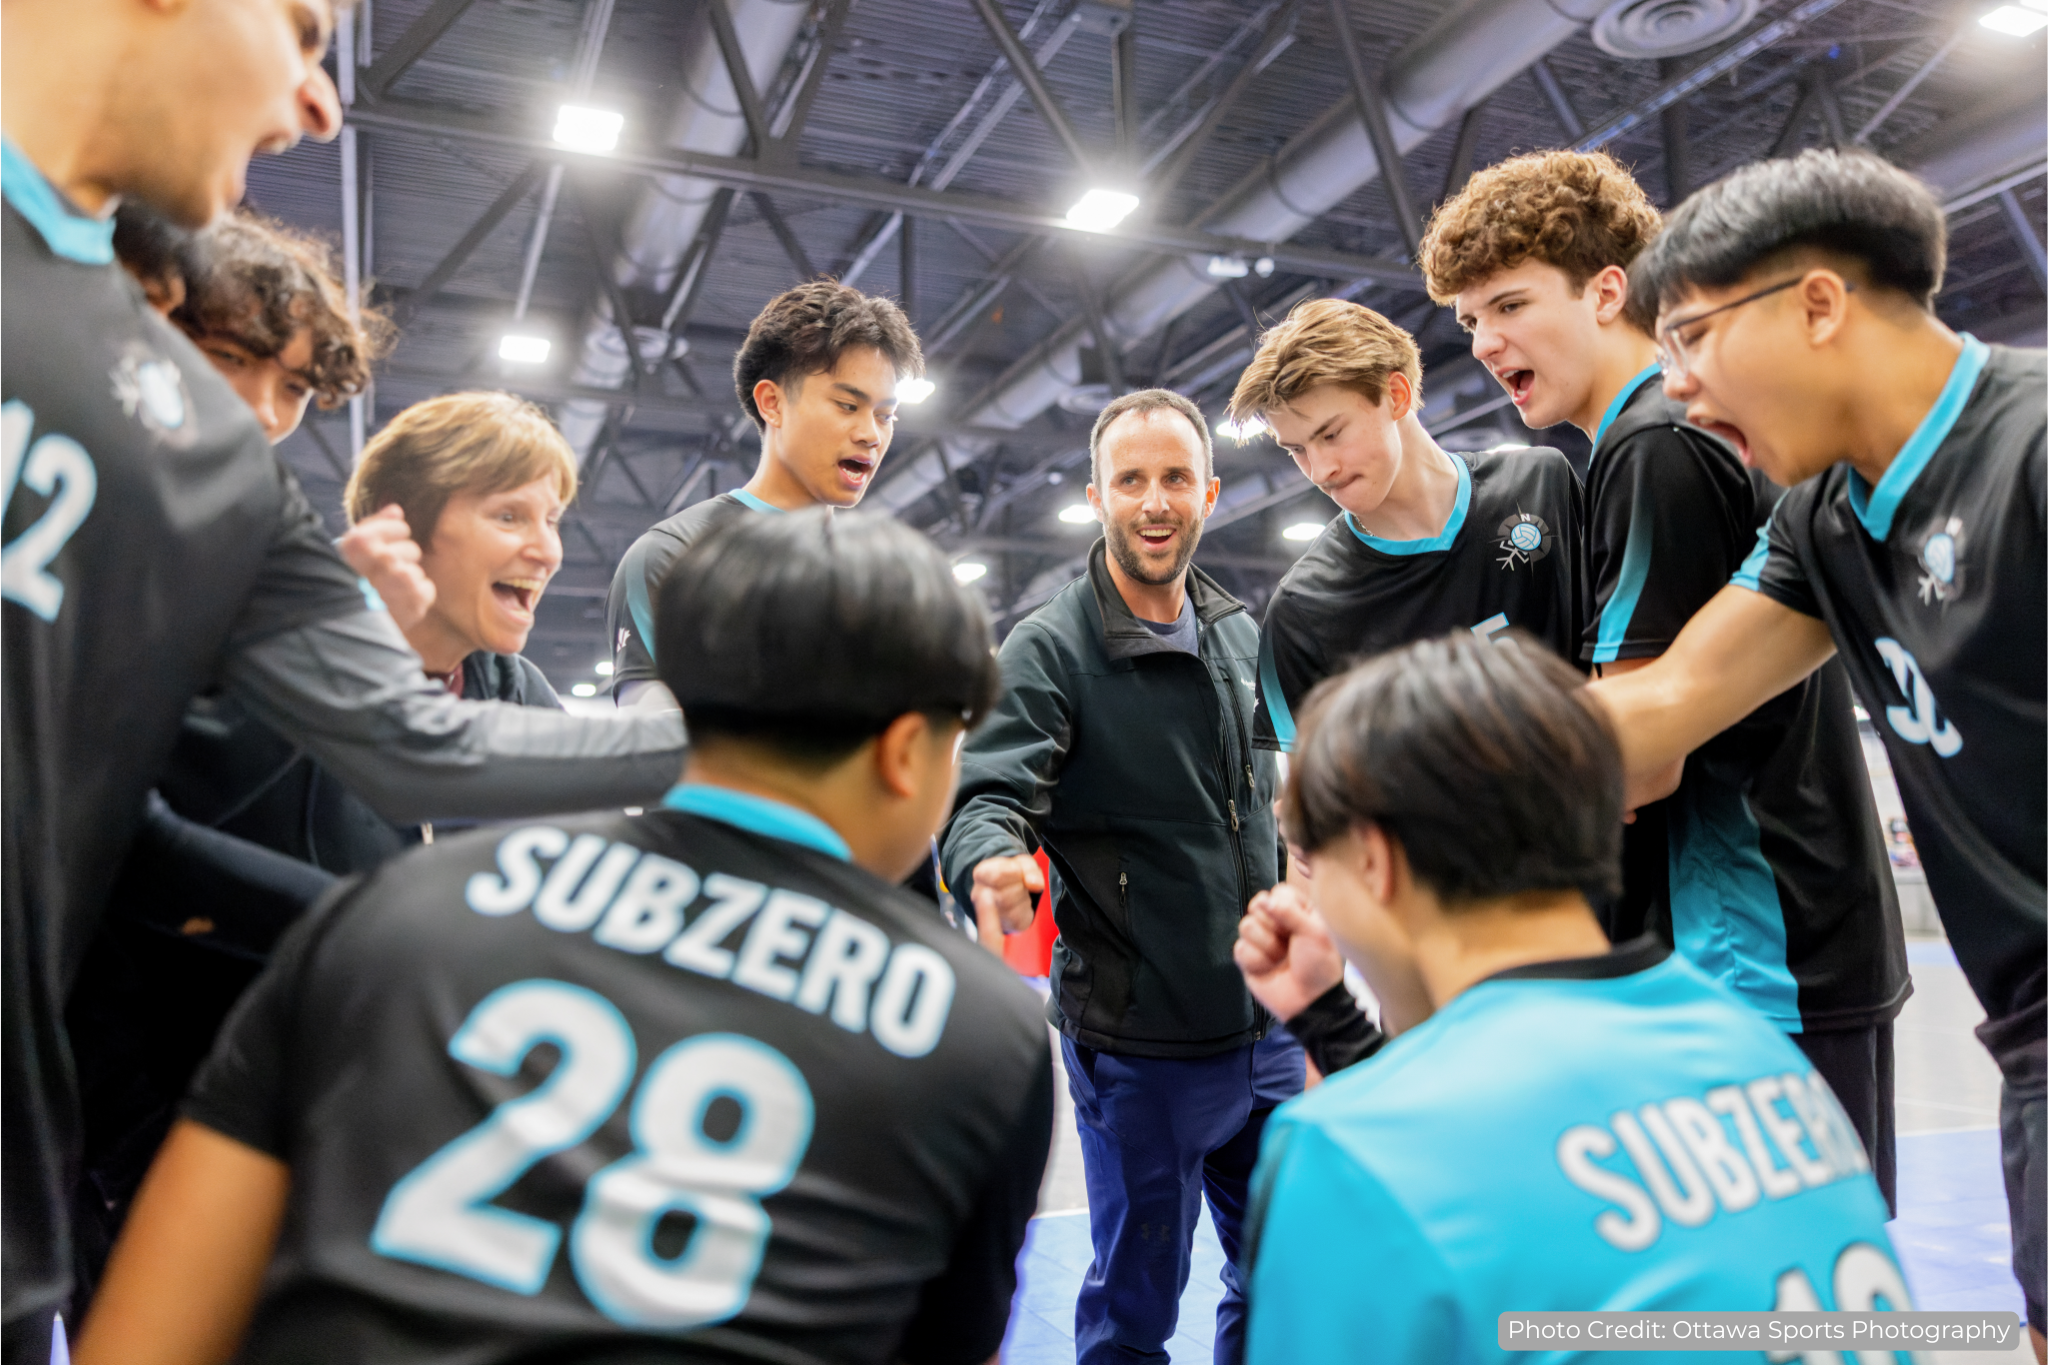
point(789, 1115)
point(1766, 868)
point(1795, 320)
point(1427, 542)
point(148, 522)
point(818, 374)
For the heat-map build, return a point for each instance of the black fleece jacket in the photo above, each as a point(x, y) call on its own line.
point(1130, 761)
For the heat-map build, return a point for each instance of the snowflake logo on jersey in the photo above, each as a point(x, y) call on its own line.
point(1941, 555)
point(152, 391)
point(1522, 539)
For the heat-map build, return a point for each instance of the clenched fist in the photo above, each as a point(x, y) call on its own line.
point(380, 547)
point(1007, 888)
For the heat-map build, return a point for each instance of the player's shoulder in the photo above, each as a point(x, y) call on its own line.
point(664, 542)
point(1330, 563)
point(2011, 402)
point(1521, 474)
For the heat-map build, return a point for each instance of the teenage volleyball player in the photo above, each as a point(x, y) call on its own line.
point(147, 519)
point(1766, 868)
point(1795, 317)
point(1577, 1126)
point(1425, 541)
point(698, 1082)
point(818, 374)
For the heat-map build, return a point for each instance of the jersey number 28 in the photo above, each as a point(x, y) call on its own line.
point(441, 1214)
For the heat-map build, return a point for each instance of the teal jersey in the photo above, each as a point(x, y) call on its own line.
point(1600, 1134)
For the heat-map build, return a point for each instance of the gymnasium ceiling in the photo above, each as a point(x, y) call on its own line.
point(877, 113)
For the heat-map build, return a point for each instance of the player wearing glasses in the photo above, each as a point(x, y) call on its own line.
point(1794, 301)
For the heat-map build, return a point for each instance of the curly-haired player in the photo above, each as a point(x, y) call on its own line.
point(1766, 867)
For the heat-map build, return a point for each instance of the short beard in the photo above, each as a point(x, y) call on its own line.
point(1127, 558)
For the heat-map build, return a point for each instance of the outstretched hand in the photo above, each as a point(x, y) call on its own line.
point(1287, 956)
point(380, 547)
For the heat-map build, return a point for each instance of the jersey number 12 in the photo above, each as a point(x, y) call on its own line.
point(441, 1214)
point(54, 465)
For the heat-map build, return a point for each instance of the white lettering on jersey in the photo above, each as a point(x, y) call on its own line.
point(797, 949)
point(1917, 722)
point(58, 468)
point(1496, 622)
point(1687, 1165)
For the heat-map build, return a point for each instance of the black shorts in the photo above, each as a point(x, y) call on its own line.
point(2019, 1044)
point(1858, 1066)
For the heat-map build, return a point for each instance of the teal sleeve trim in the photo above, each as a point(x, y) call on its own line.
point(758, 815)
point(1876, 507)
point(1277, 710)
point(1628, 391)
point(638, 605)
point(748, 499)
point(1750, 575)
point(1628, 587)
point(88, 241)
point(1443, 539)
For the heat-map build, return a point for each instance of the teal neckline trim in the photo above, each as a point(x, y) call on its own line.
point(1442, 539)
point(88, 241)
point(1875, 507)
point(1628, 391)
point(757, 815)
point(756, 503)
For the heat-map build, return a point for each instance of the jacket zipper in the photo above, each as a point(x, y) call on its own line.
point(1123, 895)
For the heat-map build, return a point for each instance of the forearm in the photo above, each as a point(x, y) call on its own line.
point(351, 691)
point(1335, 1032)
point(979, 830)
point(1741, 650)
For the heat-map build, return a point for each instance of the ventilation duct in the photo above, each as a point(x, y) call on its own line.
point(1637, 29)
point(1465, 56)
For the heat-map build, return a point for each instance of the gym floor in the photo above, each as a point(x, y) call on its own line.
point(1951, 1233)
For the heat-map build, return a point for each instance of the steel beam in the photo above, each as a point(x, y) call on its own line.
point(798, 110)
point(2022, 229)
point(1026, 70)
point(779, 225)
point(888, 195)
point(1560, 103)
point(1372, 111)
point(444, 269)
point(742, 82)
point(1277, 34)
point(411, 45)
point(1463, 150)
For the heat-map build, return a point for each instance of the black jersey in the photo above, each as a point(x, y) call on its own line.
point(1509, 556)
point(149, 530)
point(1932, 584)
point(1766, 868)
point(629, 608)
point(689, 1079)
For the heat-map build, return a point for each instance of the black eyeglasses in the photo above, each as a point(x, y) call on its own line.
point(1671, 348)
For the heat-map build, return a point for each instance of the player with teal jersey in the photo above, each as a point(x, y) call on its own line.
point(1575, 1127)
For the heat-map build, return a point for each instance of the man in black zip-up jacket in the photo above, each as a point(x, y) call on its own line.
point(1122, 745)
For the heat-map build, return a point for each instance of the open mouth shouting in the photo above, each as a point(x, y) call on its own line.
point(855, 471)
point(518, 596)
point(1518, 383)
point(1728, 432)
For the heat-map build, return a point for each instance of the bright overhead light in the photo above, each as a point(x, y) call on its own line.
point(1100, 210)
point(604, 668)
point(1077, 514)
point(583, 690)
point(1302, 530)
point(2014, 21)
point(525, 350)
point(1228, 267)
point(588, 130)
point(915, 390)
point(1250, 429)
point(968, 570)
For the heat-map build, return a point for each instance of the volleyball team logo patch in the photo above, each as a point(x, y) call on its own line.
point(1522, 539)
point(1941, 556)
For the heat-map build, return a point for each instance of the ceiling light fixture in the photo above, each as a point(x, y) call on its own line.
point(915, 390)
point(1228, 268)
point(583, 690)
point(1302, 530)
point(1099, 210)
point(2015, 22)
point(1250, 429)
point(587, 130)
point(523, 349)
point(604, 668)
point(1077, 514)
point(968, 570)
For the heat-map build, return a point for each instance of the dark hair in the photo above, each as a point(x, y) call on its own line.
point(804, 331)
point(255, 282)
point(812, 631)
point(1144, 401)
point(1480, 758)
point(1842, 202)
